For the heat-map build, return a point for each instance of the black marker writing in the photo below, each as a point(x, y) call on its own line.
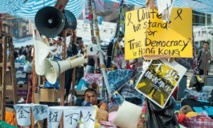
point(179, 11)
point(129, 18)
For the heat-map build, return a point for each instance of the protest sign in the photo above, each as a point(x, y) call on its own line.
point(23, 114)
point(71, 115)
point(159, 80)
point(147, 34)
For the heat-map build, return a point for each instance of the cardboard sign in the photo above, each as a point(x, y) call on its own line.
point(147, 34)
point(159, 80)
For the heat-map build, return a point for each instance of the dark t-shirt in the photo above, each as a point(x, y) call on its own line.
point(109, 54)
point(91, 62)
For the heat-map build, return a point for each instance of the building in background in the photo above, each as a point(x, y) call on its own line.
point(16, 27)
point(202, 29)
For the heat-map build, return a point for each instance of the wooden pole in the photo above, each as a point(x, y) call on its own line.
point(115, 45)
point(1, 15)
point(34, 83)
point(62, 76)
point(73, 86)
point(101, 58)
point(3, 78)
point(12, 65)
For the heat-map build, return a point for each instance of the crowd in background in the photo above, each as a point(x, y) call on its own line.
point(23, 50)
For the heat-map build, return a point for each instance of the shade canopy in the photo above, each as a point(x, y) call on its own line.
point(28, 8)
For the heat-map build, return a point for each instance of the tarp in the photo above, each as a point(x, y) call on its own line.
point(28, 8)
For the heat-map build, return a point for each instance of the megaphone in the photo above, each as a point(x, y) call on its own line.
point(54, 68)
point(41, 52)
point(70, 21)
point(49, 21)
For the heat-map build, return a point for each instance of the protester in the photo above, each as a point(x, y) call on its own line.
point(90, 95)
point(110, 49)
point(80, 69)
point(201, 57)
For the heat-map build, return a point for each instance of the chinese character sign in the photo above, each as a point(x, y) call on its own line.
point(54, 116)
point(39, 111)
point(23, 114)
point(88, 115)
point(71, 117)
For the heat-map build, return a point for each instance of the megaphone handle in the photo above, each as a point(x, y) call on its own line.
point(59, 67)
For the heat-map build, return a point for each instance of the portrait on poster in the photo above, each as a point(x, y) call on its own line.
point(159, 80)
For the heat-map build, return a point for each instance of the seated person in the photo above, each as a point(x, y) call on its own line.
point(90, 95)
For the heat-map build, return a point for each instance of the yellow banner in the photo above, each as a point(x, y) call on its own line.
point(147, 34)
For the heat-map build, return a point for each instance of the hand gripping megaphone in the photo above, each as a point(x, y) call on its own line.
point(54, 68)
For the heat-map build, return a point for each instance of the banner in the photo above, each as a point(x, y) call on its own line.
point(159, 81)
point(72, 116)
point(23, 114)
point(147, 34)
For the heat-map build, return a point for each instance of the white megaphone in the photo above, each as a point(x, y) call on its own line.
point(54, 68)
point(41, 52)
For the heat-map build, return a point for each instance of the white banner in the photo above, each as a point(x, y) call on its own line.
point(23, 114)
point(54, 116)
point(72, 116)
point(39, 111)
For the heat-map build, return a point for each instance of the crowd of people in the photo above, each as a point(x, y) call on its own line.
point(24, 50)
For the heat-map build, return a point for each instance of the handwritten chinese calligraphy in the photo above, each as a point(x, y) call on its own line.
point(22, 112)
point(53, 117)
point(40, 111)
point(71, 117)
point(88, 117)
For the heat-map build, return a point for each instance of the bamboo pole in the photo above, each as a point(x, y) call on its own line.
point(115, 47)
point(91, 21)
point(101, 58)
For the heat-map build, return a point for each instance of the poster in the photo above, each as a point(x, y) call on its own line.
point(147, 34)
point(159, 80)
point(72, 116)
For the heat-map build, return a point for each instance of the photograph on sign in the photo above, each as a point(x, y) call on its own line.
point(159, 80)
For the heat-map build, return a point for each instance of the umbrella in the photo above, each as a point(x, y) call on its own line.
point(117, 78)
